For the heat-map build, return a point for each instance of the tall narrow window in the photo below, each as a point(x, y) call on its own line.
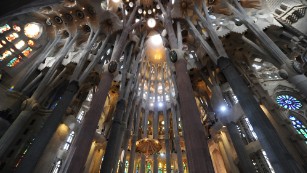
point(57, 166)
point(299, 127)
point(126, 166)
point(69, 140)
point(80, 116)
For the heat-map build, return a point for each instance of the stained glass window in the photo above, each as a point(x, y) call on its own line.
point(31, 43)
point(14, 61)
point(299, 127)
point(57, 166)
point(27, 51)
point(5, 55)
point(288, 102)
point(12, 37)
point(20, 44)
point(126, 166)
point(69, 140)
point(4, 28)
point(16, 28)
point(21, 48)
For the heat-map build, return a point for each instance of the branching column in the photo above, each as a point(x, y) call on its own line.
point(166, 129)
point(245, 164)
point(195, 139)
point(30, 105)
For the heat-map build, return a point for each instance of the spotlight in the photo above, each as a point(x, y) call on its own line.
point(160, 104)
point(223, 108)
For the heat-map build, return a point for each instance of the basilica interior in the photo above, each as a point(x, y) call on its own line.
point(153, 86)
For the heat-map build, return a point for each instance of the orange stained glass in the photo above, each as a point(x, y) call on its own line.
point(13, 62)
point(16, 28)
point(27, 51)
point(31, 43)
point(12, 37)
point(5, 55)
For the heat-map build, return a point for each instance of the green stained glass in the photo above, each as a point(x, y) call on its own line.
point(4, 28)
point(298, 125)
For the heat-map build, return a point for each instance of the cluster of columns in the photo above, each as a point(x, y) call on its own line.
point(280, 158)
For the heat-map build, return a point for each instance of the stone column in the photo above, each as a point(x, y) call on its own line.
point(30, 106)
point(290, 68)
point(131, 109)
point(84, 139)
point(90, 157)
point(224, 154)
point(145, 119)
point(228, 150)
point(198, 155)
point(46, 133)
point(114, 142)
point(177, 139)
point(155, 136)
point(166, 129)
point(127, 136)
point(52, 70)
point(155, 122)
point(21, 82)
point(26, 90)
point(245, 163)
point(133, 140)
point(279, 156)
point(175, 115)
point(136, 126)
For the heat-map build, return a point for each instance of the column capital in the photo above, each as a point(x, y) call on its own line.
point(176, 54)
point(30, 104)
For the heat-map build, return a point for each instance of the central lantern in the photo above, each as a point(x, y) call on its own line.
point(148, 146)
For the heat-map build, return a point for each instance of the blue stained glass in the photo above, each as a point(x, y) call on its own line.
point(298, 125)
point(288, 102)
point(292, 118)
